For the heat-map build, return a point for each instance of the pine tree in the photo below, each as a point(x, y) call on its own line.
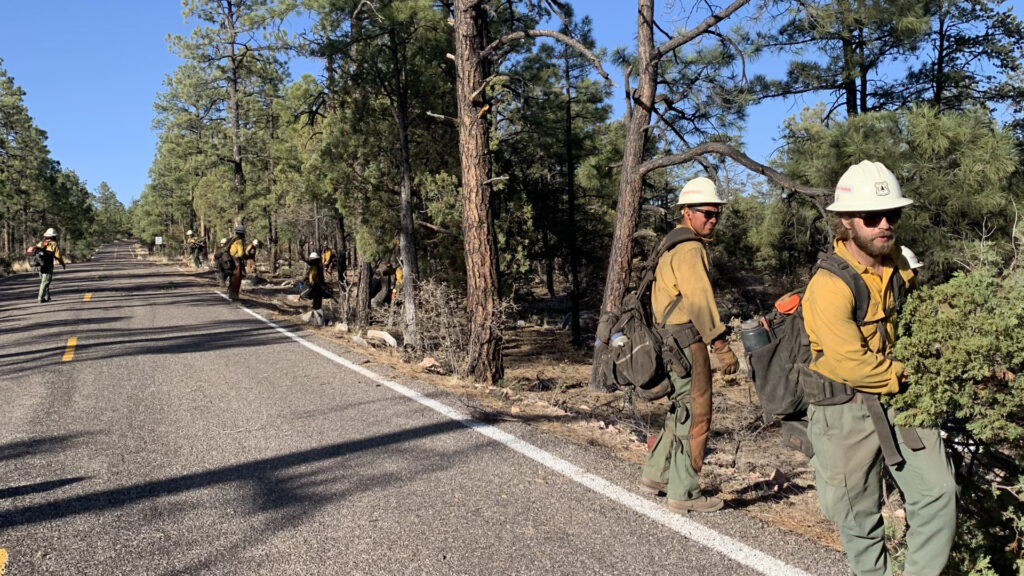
point(234, 40)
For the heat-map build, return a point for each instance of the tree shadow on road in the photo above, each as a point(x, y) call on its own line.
point(39, 445)
point(98, 344)
point(284, 492)
point(38, 487)
point(269, 493)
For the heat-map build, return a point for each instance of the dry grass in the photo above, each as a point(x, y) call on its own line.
point(21, 267)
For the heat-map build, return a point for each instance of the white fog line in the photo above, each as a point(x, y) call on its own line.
point(699, 533)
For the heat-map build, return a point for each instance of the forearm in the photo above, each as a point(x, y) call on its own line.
point(861, 369)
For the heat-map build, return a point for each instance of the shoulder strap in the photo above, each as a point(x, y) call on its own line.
point(675, 237)
point(835, 264)
point(899, 291)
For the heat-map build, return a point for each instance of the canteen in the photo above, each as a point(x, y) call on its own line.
point(753, 335)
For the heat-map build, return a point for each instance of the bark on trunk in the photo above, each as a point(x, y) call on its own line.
point(549, 263)
point(849, 79)
point(940, 62)
point(272, 242)
point(407, 241)
point(485, 354)
point(570, 175)
point(343, 257)
point(363, 292)
point(864, 69)
point(235, 106)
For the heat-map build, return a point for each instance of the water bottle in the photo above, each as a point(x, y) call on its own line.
point(753, 335)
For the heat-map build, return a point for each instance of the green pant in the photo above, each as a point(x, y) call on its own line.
point(195, 259)
point(44, 285)
point(669, 461)
point(848, 476)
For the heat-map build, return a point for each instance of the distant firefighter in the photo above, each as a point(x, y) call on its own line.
point(236, 252)
point(222, 260)
point(196, 248)
point(48, 252)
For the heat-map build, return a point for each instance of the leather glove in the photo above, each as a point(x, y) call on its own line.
point(726, 358)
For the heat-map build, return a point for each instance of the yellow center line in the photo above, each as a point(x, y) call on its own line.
point(3, 560)
point(70, 352)
point(87, 297)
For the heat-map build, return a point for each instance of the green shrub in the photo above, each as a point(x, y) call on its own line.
point(963, 343)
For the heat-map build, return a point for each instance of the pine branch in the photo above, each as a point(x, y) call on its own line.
point(700, 29)
point(737, 156)
point(567, 40)
point(442, 117)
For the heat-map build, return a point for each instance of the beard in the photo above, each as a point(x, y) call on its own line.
point(866, 242)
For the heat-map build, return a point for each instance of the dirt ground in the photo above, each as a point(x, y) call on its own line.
point(747, 463)
point(546, 385)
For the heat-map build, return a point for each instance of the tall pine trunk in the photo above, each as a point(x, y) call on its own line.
point(363, 294)
point(235, 107)
point(407, 241)
point(627, 211)
point(271, 241)
point(850, 67)
point(570, 183)
point(485, 354)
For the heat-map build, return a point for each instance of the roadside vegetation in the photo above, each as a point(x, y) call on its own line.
point(473, 146)
point(37, 193)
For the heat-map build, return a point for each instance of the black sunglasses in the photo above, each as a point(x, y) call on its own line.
point(708, 214)
point(873, 219)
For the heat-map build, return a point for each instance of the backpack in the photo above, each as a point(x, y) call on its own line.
point(784, 383)
point(638, 357)
point(225, 261)
point(34, 255)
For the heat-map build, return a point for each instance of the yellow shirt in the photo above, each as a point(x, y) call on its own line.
point(851, 354)
point(52, 248)
point(315, 276)
point(684, 270)
point(237, 248)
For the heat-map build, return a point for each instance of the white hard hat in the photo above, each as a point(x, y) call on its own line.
point(313, 255)
point(189, 233)
point(255, 242)
point(868, 187)
point(911, 258)
point(698, 192)
point(223, 240)
point(50, 233)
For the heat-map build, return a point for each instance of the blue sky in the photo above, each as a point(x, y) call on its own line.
point(91, 75)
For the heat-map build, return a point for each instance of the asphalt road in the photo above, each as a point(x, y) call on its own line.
point(182, 434)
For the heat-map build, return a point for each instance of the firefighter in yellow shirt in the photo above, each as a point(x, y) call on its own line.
point(251, 250)
point(675, 461)
point(196, 248)
point(315, 280)
point(396, 292)
point(50, 252)
point(236, 251)
point(855, 441)
point(329, 261)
